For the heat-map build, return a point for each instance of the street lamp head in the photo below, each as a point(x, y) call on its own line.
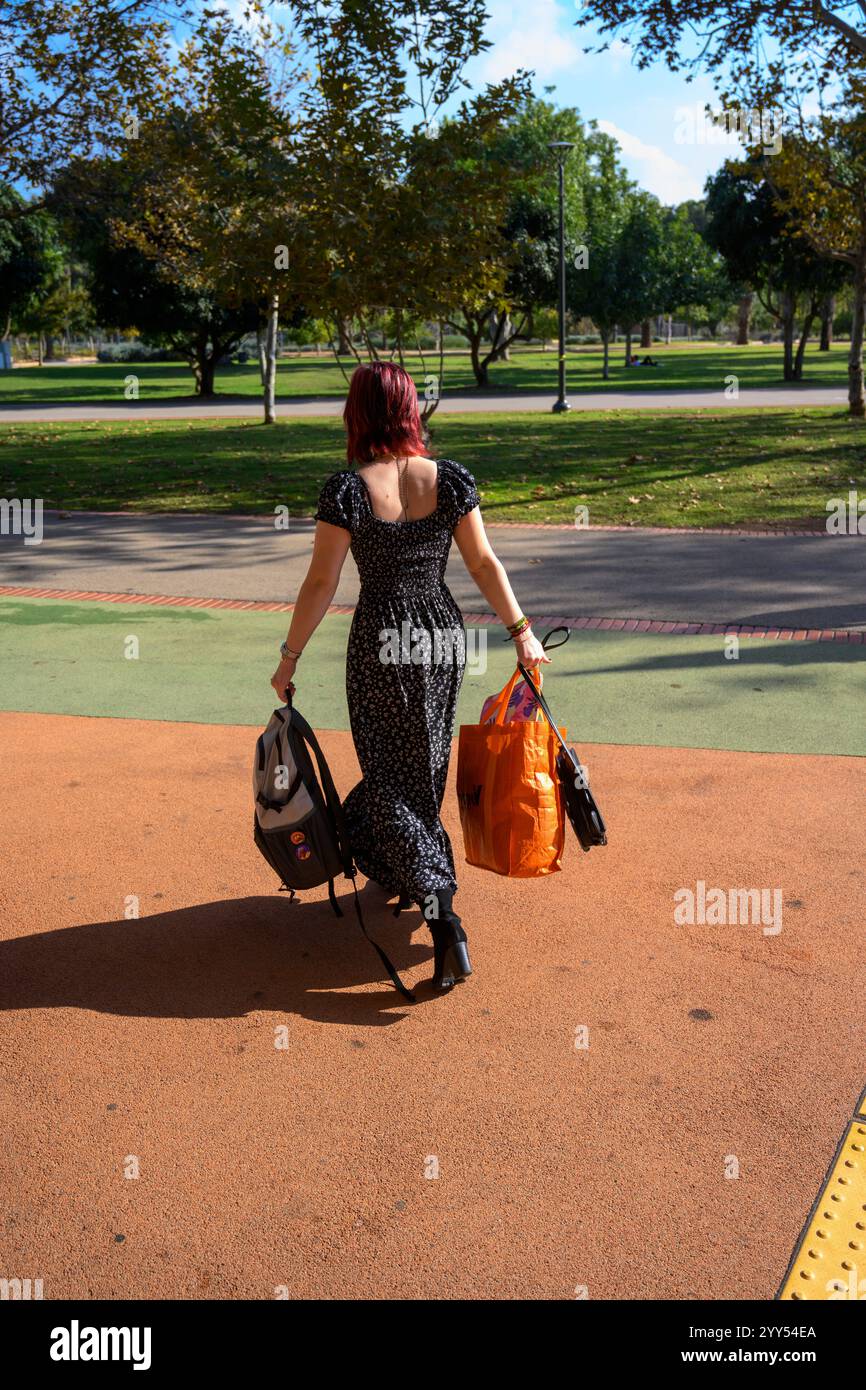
point(560, 145)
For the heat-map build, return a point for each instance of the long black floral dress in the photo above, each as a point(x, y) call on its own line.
point(404, 667)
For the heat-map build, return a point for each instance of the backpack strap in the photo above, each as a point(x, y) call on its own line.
point(335, 809)
point(332, 798)
point(392, 973)
point(338, 911)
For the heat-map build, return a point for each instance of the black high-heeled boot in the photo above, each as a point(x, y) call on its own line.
point(451, 963)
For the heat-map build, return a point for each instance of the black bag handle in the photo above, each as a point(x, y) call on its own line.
point(542, 702)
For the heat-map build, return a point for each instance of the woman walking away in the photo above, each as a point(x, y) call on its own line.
point(397, 508)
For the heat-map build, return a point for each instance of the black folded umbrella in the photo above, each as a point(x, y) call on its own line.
point(586, 819)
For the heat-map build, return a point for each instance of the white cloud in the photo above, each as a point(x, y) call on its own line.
point(619, 53)
point(536, 35)
point(656, 171)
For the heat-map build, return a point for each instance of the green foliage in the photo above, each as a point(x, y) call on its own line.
point(32, 260)
point(768, 48)
point(71, 75)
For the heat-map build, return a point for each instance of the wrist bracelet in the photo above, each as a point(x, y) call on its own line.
point(286, 651)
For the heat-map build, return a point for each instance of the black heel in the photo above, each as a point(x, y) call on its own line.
point(451, 963)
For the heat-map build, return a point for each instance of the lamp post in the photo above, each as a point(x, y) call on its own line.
point(561, 148)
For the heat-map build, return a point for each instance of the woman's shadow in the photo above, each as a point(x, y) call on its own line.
point(220, 960)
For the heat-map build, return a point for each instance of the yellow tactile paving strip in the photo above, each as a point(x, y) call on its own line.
point(829, 1262)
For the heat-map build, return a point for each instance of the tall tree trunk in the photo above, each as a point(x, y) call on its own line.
point(204, 364)
point(669, 330)
point(262, 351)
point(271, 359)
point(344, 341)
point(506, 330)
point(804, 337)
point(646, 334)
point(479, 366)
point(788, 308)
point(205, 377)
point(605, 370)
point(744, 318)
point(627, 346)
point(501, 329)
point(828, 313)
point(856, 399)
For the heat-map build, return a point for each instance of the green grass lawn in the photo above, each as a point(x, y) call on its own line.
point(775, 466)
point(689, 366)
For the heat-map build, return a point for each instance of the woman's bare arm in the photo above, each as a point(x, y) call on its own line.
point(489, 574)
point(330, 548)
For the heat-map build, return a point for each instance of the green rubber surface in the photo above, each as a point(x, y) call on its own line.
point(213, 666)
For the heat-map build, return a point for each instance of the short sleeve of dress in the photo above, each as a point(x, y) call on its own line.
point(335, 501)
point(461, 492)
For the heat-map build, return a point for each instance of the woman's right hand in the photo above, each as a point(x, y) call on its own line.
point(282, 679)
point(529, 650)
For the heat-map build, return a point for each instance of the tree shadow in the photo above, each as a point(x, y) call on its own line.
point(220, 960)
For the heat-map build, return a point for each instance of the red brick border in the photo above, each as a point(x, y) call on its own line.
point(684, 629)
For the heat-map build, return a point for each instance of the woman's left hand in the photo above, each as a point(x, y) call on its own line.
point(282, 680)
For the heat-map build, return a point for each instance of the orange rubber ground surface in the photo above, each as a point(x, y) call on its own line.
point(152, 1040)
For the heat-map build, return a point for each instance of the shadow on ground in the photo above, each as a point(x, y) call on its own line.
point(220, 960)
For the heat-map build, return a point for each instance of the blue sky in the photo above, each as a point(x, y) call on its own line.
point(656, 116)
point(658, 119)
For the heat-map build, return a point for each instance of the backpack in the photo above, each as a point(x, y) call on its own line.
point(299, 825)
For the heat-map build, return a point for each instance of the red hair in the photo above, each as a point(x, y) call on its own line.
point(381, 413)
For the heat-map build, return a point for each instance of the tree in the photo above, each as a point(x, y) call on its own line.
point(128, 289)
point(447, 215)
point(640, 266)
point(74, 76)
point(216, 206)
point(532, 231)
point(407, 204)
point(596, 264)
point(31, 258)
point(696, 275)
point(820, 181)
point(768, 58)
point(765, 249)
point(62, 308)
point(791, 44)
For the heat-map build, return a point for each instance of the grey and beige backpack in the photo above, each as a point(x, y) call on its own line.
point(299, 825)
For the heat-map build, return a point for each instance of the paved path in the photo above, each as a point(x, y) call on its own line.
point(787, 581)
point(566, 1119)
point(238, 407)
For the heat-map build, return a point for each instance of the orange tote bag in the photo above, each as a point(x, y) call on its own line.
point(509, 794)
